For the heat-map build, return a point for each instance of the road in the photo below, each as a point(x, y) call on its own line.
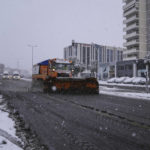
point(81, 122)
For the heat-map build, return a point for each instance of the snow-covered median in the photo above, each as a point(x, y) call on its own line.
point(26, 79)
point(120, 84)
point(124, 93)
point(8, 138)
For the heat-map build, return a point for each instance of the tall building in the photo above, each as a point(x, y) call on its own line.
point(148, 25)
point(137, 29)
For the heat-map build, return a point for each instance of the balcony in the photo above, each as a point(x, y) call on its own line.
point(131, 35)
point(131, 51)
point(131, 19)
point(132, 11)
point(129, 5)
point(131, 43)
point(131, 27)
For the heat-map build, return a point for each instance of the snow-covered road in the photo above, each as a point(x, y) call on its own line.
point(124, 93)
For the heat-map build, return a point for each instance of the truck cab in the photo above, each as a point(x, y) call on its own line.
point(60, 68)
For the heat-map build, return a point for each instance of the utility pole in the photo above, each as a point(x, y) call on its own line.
point(32, 47)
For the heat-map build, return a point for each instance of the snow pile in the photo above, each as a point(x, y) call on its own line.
point(128, 80)
point(139, 80)
point(120, 84)
point(7, 145)
point(6, 123)
point(25, 79)
point(120, 80)
point(8, 138)
point(124, 93)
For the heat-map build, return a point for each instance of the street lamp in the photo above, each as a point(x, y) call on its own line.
point(32, 47)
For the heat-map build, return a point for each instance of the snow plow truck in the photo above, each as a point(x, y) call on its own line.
point(56, 75)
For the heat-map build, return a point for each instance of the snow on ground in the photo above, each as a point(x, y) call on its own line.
point(8, 138)
point(26, 79)
point(7, 145)
point(124, 93)
point(120, 84)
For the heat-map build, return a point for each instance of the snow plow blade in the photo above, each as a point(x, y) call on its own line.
point(72, 85)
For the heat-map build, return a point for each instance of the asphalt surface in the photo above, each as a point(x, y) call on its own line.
point(81, 122)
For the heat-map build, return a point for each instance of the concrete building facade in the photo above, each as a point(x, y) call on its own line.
point(137, 29)
point(102, 57)
point(148, 25)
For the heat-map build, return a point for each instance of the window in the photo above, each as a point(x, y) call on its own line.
point(96, 54)
point(84, 55)
point(111, 55)
point(65, 54)
point(100, 54)
point(118, 56)
point(108, 55)
point(88, 55)
point(76, 50)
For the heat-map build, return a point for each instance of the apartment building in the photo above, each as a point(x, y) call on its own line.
point(100, 56)
point(148, 25)
point(137, 29)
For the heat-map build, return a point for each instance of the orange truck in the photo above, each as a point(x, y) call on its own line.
point(57, 75)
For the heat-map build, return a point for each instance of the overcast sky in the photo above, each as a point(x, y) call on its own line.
point(52, 24)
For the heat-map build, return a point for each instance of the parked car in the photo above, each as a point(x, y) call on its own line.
point(112, 80)
point(139, 80)
point(128, 80)
point(121, 79)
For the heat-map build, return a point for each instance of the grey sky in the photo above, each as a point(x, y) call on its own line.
point(52, 24)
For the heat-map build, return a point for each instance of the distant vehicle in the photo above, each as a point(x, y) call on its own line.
point(121, 79)
point(16, 75)
point(112, 80)
point(21, 76)
point(139, 80)
point(6, 75)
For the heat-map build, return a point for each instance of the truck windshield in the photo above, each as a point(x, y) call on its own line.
point(59, 66)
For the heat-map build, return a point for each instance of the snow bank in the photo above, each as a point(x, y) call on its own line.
point(120, 84)
point(7, 124)
point(123, 93)
point(25, 79)
point(7, 145)
point(7, 131)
